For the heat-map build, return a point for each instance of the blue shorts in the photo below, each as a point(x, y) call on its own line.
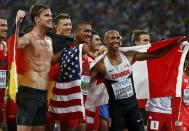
point(104, 111)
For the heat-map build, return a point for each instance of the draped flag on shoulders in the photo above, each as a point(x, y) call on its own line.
point(158, 77)
point(67, 98)
point(59, 42)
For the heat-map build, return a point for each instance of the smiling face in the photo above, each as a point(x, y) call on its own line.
point(3, 28)
point(44, 19)
point(64, 27)
point(95, 42)
point(112, 40)
point(83, 33)
point(143, 39)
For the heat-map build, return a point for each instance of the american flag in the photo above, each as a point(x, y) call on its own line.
point(67, 98)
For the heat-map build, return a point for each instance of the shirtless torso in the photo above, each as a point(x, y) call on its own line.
point(37, 61)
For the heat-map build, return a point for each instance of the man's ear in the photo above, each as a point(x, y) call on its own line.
point(36, 19)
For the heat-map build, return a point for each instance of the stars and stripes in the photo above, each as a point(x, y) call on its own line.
point(67, 98)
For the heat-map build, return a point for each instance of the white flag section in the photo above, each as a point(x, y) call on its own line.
point(153, 78)
point(139, 69)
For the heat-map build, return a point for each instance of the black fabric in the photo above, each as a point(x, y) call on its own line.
point(144, 115)
point(31, 106)
point(59, 42)
point(124, 117)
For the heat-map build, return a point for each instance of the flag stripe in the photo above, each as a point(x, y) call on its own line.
point(66, 109)
point(65, 116)
point(67, 85)
point(180, 70)
point(66, 97)
point(63, 91)
point(65, 104)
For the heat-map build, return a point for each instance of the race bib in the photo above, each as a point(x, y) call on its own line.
point(123, 89)
point(2, 78)
point(154, 125)
point(85, 80)
point(178, 123)
point(186, 96)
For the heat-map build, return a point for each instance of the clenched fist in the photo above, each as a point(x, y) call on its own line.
point(20, 16)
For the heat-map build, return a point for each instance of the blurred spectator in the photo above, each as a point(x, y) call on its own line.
point(162, 18)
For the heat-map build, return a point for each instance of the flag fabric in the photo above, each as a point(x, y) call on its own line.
point(15, 63)
point(67, 98)
point(162, 76)
point(97, 93)
point(154, 78)
point(59, 42)
point(92, 118)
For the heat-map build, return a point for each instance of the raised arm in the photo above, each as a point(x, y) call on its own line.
point(24, 40)
point(140, 56)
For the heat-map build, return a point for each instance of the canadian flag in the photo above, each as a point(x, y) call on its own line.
point(153, 78)
point(161, 76)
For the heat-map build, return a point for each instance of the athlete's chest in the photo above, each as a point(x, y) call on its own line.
point(120, 71)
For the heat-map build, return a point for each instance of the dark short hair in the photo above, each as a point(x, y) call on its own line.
point(36, 10)
point(80, 23)
point(94, 33)
point(1, 17)
point(61, 17)
point(136, 34)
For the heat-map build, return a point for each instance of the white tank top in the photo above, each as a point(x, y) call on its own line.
point(160, 105)
point(121, 74)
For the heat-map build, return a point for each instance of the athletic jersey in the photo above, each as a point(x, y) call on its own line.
point(85, 75)
point(119, 82)
point(159, 105)
point(3, 69)
point(3, 56)
point(185, 99)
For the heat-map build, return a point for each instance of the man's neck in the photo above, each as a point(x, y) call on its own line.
point(40, 32)
point(113, 54)
point(93, 51)
point(77, 42)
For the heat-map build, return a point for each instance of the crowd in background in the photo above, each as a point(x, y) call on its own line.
point(162, 18)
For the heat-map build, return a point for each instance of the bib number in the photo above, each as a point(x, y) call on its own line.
point(85, 80)
point(178, 123)
point(154, 125)
point(3, 79)
point(123, 89)
point(186, 96)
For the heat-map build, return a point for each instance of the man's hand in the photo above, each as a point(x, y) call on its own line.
point(101, 51)
point(20, 16)
point(181, 39)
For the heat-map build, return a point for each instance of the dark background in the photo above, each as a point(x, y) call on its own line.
point(161, 18)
